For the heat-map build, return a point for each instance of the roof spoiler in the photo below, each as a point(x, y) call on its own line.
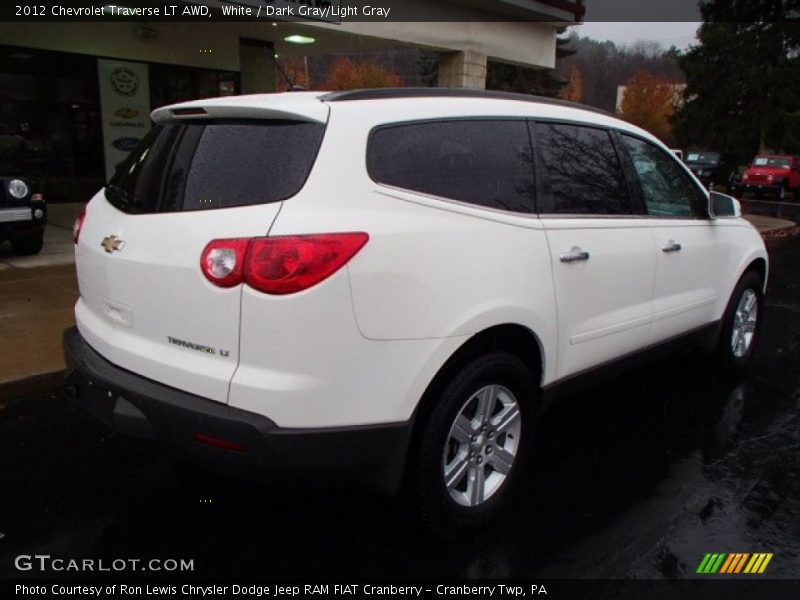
point(294, 106)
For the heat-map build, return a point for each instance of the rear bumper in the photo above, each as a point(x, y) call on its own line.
point(133, 405)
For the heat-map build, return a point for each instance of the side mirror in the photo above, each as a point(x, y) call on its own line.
point(723, 206)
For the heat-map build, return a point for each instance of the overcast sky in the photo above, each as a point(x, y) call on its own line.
point(666, 34)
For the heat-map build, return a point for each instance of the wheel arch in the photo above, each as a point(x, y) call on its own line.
point(759, 267)
point(512, 337)
point(755, 261)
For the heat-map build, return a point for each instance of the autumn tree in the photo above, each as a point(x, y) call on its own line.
point(649, 102)
point(573, 91)
point(296, 69)
point(346, 74)
point(604, 66)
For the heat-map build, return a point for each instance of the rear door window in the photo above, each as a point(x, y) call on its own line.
point(486, 162)
point(201, 165)
point(583, 171)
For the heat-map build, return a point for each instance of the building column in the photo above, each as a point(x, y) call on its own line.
point(465, 69)
point(256, 67)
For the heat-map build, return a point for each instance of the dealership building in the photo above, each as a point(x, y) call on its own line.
point(75, 97)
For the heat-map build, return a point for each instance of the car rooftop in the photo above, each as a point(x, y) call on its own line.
point(313, 102)
point(432, 92)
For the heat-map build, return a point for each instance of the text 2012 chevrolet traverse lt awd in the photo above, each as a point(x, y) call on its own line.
point(383, 286)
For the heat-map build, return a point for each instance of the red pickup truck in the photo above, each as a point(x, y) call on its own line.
point(777, 174)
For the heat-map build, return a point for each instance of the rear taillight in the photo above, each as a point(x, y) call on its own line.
point(289, 264)
point(282, 264)
point(78, 225)
point(222, 261)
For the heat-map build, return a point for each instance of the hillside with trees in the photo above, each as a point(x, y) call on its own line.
point(602, 66)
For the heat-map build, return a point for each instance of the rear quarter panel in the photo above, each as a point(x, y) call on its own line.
point(432, 269)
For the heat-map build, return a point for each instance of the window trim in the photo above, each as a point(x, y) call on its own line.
point(534, 206)
point(546, 192)
point(632, 182)
point(637, 184)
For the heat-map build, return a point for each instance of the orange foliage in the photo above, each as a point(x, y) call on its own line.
point(573, 91)
point(296, 69)
point(347, 75)
point(649, 102)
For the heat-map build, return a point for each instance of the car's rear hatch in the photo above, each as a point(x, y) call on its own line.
point(207, 170)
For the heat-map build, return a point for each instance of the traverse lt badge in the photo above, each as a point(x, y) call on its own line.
point(112, 243)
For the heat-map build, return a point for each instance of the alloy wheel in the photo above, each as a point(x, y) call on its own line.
point(482, 445)
point(744, 323)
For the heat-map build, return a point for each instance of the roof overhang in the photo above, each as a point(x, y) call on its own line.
point(566, 11)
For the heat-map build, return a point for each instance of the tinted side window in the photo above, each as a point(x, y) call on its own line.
point(483, 162)
point(666, 188)
point(584, 174)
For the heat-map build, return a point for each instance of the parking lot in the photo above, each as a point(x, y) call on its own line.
point(637, 478)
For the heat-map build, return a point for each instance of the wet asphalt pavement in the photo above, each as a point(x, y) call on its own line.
point(637, 478)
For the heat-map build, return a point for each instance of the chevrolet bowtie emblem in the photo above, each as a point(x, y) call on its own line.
point(112, 244)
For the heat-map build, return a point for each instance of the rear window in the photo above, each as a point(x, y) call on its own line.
point(202, 165)
point(485, 162)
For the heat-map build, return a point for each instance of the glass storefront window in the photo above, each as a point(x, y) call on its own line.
point(51, 125)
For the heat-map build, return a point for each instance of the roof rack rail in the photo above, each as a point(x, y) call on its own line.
point(434, 92)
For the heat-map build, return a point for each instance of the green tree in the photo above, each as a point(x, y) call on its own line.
point(428, 67)
point(542, 82)
point(743, 80)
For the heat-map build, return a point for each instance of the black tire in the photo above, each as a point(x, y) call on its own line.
point(725, 355)
point(782, 193)
point(30, 244)
point(444, 514)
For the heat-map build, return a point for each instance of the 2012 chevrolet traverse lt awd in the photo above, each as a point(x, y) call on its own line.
point(383, 286)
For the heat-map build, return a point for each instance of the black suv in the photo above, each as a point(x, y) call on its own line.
point(705, 165)
point(22, 214)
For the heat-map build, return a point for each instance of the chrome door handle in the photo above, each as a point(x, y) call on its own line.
point(672, 246)
point(574, 255)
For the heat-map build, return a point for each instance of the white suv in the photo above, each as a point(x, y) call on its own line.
point(381, 286)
